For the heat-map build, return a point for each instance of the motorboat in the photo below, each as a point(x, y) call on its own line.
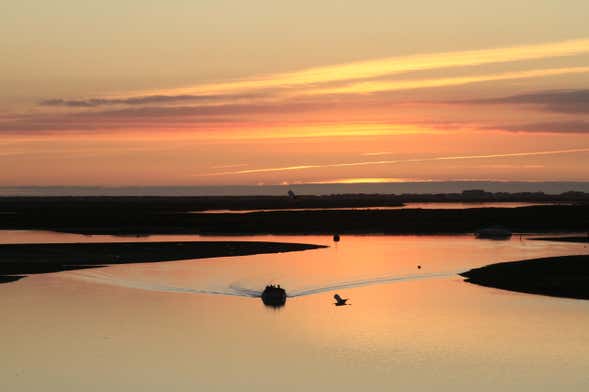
point(274, 296)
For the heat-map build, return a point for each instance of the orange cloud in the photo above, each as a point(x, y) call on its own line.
point(395, 85)
point(391, 66)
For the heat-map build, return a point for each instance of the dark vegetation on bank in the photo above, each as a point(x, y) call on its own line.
point(18, 260)
point(563, 239)
point(201, 203)
point(166, 204)
point(169, 215)
point(564, 276)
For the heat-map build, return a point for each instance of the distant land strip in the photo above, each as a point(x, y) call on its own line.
point(563, 239)
point(19, 260)
point(120, 221)
point(179, 215)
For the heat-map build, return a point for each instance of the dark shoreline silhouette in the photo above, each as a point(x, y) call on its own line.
point(563, 239)
point(170, 215)
point(563, 276)
point(19, 260)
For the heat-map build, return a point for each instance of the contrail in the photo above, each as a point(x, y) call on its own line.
point(392, 162)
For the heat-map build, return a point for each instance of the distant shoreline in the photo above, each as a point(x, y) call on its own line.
point(407, 187)
point(562, 276)
point(20, 260)
point(343, 214)
point(122, 219)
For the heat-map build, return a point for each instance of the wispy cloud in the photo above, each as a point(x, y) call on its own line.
point(354, 76)
point(397, 85)
point(141, 100)
point(364, 180)
point(376, 153)
point(574, 101)
point(510, 166)
point(229, 166)
point(393, 66)
point(545, 127)
point(350, 88)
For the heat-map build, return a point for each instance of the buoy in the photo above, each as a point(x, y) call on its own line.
point(336, 238)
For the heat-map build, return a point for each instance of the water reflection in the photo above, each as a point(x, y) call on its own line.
point(410, 205)
point(153, 327)
point(356, 262)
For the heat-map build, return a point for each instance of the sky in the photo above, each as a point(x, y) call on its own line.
point(137, 93)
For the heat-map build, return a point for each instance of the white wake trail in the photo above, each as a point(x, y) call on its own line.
point(234, 289)
point(367, 282)
point(97, 277)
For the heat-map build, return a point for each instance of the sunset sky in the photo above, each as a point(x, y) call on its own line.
point(224, 92)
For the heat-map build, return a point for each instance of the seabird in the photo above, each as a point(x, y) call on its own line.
point(340, 301)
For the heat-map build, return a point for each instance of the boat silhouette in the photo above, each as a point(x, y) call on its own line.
point(274, 296)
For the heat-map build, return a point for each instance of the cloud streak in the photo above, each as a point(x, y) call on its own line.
point(314, 80)
point(574, 101)
point(141, 100)
point(395, 65)
point(545, 127)
point(350, 89)
point(397, 85)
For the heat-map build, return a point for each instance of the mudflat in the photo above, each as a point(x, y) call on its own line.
point(564, 276)
point(19, 260)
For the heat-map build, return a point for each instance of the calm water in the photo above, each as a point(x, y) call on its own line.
point(433, 206)
point(193, 325)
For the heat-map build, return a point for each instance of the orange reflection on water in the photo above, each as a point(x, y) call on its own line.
point(70, 333)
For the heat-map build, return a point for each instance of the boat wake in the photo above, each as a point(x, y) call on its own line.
point(237, 289)
point(104, 278)
point(367, 282)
